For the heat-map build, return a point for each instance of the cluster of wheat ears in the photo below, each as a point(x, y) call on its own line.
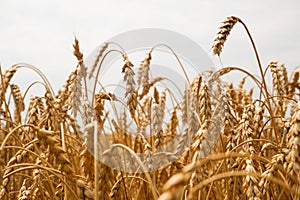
point(253, 153)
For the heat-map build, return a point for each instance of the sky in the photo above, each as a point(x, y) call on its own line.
point(41, 33)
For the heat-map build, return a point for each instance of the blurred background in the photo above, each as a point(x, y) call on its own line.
point(41, 33)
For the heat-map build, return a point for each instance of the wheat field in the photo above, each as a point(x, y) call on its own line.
point(255, 154)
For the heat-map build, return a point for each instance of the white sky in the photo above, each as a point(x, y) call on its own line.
point(41, 33)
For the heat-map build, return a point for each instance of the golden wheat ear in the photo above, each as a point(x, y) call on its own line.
point(223, 33)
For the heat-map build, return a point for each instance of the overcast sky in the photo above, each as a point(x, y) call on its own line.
point(41, 33)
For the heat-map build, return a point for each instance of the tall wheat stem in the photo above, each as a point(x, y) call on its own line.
point(262, 77)
point(95, 159)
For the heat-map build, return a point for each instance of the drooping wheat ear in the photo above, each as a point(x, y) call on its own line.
point(99, 56)
point(143, 74)
point(223, 33)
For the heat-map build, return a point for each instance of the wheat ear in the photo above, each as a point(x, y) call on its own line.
point(223, 33)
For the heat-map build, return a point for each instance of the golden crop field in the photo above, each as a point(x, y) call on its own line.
point(252, 152)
